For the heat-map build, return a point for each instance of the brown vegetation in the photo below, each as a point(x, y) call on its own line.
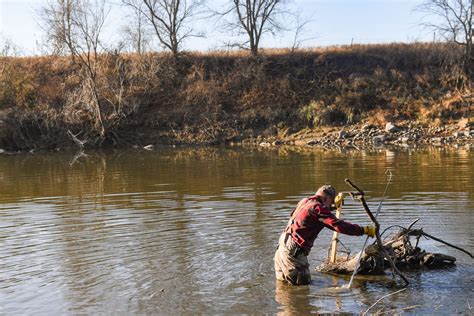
point(218, 97)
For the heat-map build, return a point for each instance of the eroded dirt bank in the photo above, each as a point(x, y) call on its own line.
point(375, 94)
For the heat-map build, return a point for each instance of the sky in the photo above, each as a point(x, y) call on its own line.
point(333, 22)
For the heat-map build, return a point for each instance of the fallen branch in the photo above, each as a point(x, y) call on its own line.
point(446, 243)
point(420, 232)
point(79, 142)
point(400, 248)
point(360, 196)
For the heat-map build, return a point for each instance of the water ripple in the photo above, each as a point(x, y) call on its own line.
point(144, 237)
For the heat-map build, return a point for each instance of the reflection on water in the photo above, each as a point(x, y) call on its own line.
point(194, 231)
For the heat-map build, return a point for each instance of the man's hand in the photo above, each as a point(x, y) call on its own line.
point(369, 230)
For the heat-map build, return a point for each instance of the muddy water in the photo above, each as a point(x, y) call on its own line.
point(194, 231)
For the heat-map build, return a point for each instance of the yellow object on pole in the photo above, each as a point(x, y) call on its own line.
point(339, 201)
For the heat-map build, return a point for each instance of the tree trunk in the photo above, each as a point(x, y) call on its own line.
point(469, 51)
point(469, 59)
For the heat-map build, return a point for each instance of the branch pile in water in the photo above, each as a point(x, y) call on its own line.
point(403, 253)
point(395, 252)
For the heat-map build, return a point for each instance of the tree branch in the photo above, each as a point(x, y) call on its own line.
point(360, 196)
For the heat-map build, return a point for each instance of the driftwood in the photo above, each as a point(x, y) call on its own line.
point(379, 245)
point(405, 256)
point(396, 251)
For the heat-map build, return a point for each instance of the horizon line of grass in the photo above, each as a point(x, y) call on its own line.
point(266, 51)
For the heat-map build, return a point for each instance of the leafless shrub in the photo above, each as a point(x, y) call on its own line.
point(76, 25)
point(8, 48)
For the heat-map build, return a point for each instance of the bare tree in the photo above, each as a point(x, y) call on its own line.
point(454, 24)
point(254, 18)
point(56, 20)
point(136, 33)
point(8, 47)
point(170, 19)
point(301, 22)
point(75, 26)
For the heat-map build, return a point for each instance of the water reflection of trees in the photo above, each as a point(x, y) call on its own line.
point(208, 171)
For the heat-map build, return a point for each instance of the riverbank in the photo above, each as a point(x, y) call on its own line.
point(322, 96)
point(401, 134)
point(357, 137)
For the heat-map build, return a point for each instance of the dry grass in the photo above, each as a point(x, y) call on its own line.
point(232, 93)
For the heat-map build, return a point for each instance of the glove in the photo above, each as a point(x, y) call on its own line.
point(369, 230)
point(339, 200)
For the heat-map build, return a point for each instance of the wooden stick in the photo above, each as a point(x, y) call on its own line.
point(446, 243)
point(333, 254)
point(413, 223)
point(360, 196)
point(79, 142)
point(364, 203)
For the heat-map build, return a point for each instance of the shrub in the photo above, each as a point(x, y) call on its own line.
point(316, 113)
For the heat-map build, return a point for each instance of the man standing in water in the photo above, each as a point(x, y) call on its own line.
point(311, 215)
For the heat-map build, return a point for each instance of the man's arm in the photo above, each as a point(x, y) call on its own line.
point(332, 222)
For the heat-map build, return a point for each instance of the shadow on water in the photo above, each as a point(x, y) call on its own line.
point(194, 230)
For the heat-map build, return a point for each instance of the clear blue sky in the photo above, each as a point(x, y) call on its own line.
point(334, 22)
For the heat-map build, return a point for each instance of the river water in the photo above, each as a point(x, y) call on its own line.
point(193, 231)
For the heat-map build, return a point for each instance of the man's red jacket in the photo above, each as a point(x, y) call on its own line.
point(310, 217)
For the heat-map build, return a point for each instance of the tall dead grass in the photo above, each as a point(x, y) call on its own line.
point(211, 97)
